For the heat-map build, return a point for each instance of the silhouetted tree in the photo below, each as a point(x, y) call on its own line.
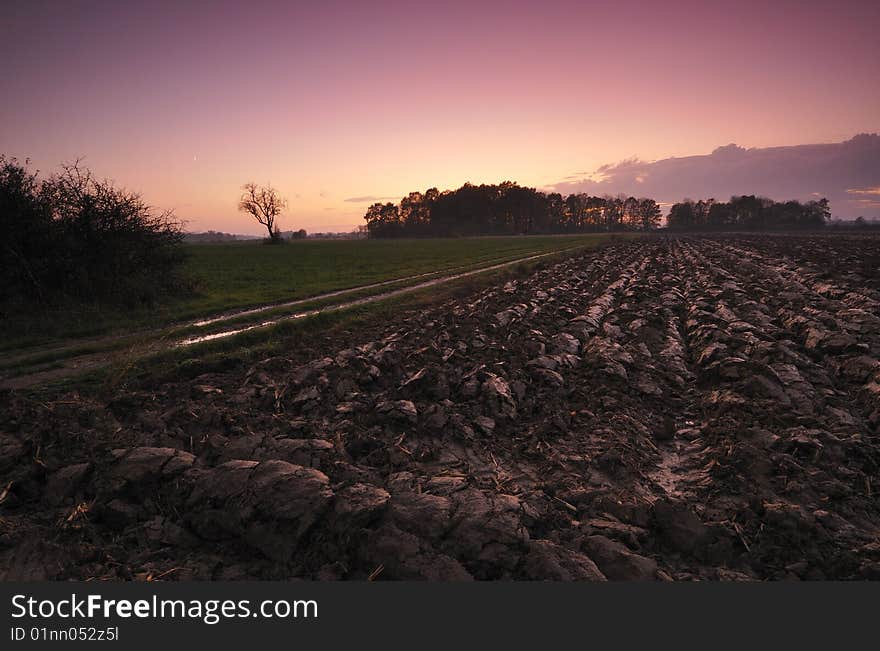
point(720, 215)
point(748, 211)
point(818, 213)
point(265, 205)
point(414, 213)
point(554, 218)
point(613, 212)
point(681, 215)
point(649, 214)
point(576, 206)
point(383, 220)
point(701, 212)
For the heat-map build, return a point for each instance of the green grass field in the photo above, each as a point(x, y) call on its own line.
point(171, 364)
point(241, 275)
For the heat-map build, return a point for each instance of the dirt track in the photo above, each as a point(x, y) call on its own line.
point(675, 409)
point(229, 324)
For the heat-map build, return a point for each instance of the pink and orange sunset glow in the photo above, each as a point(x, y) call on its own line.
point(297, 295)
point(338, 104)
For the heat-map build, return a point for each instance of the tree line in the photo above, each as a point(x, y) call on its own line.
point(510, 209)
point(507, 209)
point(748, 213)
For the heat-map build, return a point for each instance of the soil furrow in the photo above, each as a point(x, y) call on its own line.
point(669, 408)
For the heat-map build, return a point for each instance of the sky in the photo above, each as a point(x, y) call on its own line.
point(337, 104)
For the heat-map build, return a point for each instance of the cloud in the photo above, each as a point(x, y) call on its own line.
point(865, 191)
point(847, 173)
point(369, 199)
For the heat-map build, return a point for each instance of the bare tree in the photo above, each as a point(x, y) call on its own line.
point(264, 204)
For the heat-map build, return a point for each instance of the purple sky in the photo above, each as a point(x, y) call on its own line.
point(338, 102)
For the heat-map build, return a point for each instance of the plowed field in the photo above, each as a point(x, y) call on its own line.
point(663, 409)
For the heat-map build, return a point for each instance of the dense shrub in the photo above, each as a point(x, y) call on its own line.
point(72, 236)
point(28, 237)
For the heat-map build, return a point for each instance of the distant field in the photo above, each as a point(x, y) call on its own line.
point(245, 274)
